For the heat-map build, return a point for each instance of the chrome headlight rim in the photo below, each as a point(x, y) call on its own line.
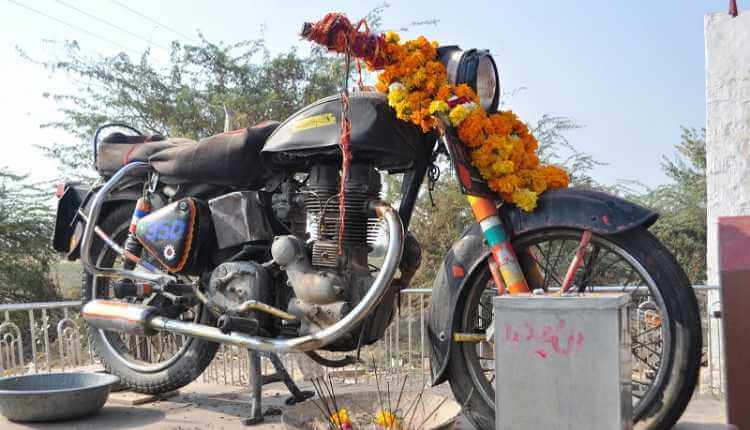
point(463, 68)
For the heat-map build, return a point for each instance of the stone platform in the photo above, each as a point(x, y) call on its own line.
point(209, 406)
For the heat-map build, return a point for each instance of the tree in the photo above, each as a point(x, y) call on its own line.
point(25, 231)
point(187, 96)
point(682, 204)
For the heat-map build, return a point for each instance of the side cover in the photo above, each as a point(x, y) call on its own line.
point(572, 208)
point(174, 233)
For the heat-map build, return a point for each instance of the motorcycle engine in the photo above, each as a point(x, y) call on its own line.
point(326, 283)
point(233, 283)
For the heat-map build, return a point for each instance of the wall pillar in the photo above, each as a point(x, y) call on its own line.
point(727, 43)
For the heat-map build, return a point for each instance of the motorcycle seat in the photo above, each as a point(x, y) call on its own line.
point(230, 158)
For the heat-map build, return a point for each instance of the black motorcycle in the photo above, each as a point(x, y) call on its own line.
point(237, 239)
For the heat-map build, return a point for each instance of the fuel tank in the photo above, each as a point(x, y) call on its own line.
point(378, 137)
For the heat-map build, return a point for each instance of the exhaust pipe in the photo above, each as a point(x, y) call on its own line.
point(138, 319)
point(120, 317)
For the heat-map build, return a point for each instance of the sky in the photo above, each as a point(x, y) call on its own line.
point(631, 72)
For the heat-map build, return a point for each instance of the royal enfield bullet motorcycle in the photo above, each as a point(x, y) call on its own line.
point(237, 239)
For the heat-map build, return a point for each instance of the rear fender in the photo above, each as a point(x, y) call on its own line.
point(599, 212)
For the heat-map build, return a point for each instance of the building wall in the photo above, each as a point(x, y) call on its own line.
point(727, 134)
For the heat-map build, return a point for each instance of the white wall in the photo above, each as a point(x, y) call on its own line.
point(727, 131)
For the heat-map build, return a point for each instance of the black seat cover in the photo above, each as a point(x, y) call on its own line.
point(228, 158)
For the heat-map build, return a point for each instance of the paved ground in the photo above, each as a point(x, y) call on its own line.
point(203, 406)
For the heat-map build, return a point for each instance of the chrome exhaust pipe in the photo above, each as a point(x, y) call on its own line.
point(138, 318)
point(120, 317)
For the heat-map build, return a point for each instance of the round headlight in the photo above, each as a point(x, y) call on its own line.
point(476, 68)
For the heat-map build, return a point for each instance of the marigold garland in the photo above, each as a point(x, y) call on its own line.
point(500, 145)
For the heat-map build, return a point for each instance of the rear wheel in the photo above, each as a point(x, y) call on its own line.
point(146, 364)
point(664, 319)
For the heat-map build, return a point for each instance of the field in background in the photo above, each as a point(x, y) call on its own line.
point(67, 277)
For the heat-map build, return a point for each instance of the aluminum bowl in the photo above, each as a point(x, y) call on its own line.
point(54, 396)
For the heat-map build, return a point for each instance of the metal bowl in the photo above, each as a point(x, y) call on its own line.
point(54, 396)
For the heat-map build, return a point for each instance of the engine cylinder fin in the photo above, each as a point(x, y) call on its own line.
point(322, 206)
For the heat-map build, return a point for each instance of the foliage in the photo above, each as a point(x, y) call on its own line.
point(682, 204)
point(25, 231)
point(185, 97)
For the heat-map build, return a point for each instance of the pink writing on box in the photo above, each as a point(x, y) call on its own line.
point(545, 340)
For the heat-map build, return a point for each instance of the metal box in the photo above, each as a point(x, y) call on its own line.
point(562, 362)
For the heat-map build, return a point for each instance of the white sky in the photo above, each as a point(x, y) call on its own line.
point(632, 72)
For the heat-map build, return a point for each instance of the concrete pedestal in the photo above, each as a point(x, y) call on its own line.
point(562, 362)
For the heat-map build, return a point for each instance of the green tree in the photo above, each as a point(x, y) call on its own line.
point(25, 231)
point(185, 97)
point(682, 204)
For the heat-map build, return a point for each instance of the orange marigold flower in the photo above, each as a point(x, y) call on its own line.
point(555, 177)
point(464, 90)
point(444, 92)
point(471, 131)
point(505, 184)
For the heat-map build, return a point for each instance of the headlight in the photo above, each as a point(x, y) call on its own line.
point(476, 68)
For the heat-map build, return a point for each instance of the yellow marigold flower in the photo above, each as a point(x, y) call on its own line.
point(392, 37)
point(341, 418)
point(533, 179)
point(501, 167)
point(438, 106)
point(385, 419)
point(458, 114)
point(396, 94)
point(525, 199)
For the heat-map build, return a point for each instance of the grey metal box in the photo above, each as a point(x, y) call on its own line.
point(562, 362)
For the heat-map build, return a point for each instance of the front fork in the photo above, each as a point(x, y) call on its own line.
point(506, 272)
point(504, 267)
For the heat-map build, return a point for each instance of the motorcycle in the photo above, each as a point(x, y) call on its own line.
point(237, 239)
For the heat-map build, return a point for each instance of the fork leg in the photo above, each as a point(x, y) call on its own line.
point(497, 238)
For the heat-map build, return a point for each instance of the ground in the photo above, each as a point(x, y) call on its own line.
point(209, 406)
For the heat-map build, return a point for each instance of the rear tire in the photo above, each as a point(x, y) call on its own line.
point(191, 363)
point(671, 393)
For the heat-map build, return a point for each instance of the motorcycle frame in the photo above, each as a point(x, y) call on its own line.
point(506, 271)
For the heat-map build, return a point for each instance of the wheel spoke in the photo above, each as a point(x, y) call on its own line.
point(605, 265)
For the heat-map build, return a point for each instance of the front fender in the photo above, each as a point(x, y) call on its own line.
point(568, 208)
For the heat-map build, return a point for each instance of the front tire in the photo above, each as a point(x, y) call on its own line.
point(671, 308)
point(134, 359)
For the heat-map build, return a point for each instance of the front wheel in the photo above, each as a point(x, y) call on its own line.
point(664, 319)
